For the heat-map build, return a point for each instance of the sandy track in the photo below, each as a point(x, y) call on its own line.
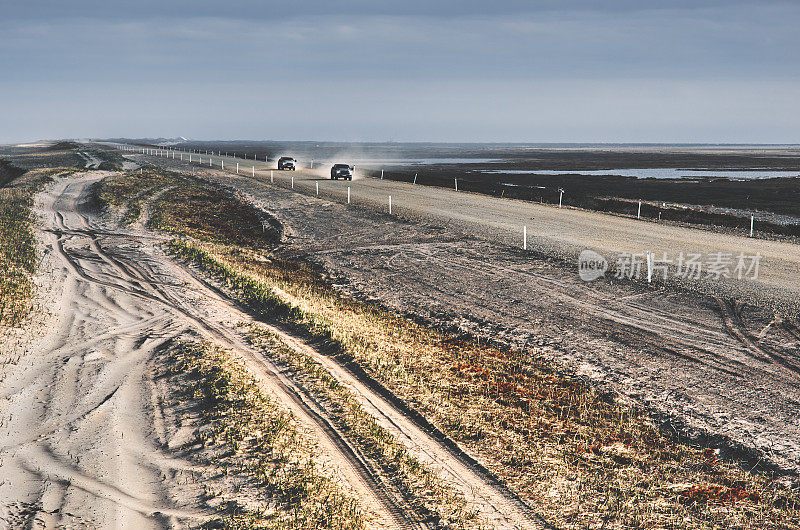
point(93, 450)
point(81, 437)
point(725, 374)
point(494, 503)
point(76, 439)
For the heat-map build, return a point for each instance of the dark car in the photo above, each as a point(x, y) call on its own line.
point(341, 171)
point(286, 162)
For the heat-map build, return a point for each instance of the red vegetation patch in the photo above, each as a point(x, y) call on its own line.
point(717, 494)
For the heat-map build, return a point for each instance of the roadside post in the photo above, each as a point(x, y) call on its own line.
point(381, 174)
point(415, 178)
point(348, 194)
point(524, 237)
point(271, 180)
point(254, 171)
point(649, 267)
point(390, 205)
point(237, 168)
point(456, 181)
point(560, 196)
point(639, 213)
point(317, 183)
point(752, 217)
point(292, 181)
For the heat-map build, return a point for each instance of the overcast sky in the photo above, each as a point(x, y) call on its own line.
point(412, 70)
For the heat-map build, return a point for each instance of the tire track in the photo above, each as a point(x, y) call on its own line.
point(134, 279)
point(731, 316)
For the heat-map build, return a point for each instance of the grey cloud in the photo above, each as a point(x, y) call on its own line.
point(537, 71)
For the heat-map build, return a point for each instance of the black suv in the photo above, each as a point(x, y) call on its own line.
point(341, 171)
point(286, 162)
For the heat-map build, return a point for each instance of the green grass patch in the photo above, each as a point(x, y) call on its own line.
point(128, 191)
point(188, 207)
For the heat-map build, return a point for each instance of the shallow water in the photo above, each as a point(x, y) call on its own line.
point(657, 173)
point(378, 163)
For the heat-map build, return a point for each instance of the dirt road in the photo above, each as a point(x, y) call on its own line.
point(83, 440)
point(80, 441)
point(722, 368)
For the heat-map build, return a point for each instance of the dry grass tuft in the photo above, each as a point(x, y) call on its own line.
point(251, 436)
point(18, 259)
point(427, 493)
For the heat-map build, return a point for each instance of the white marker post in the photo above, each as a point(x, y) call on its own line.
point(752, 217)
point(381, 174)
point(348, 194)
point(292, 181)
point(317, 183)
point(271, 180)
point(254, 171)
point(237, 168)
point(222, 164)
point(415, 178)
point(639, 213)
point(312, 164)
point(390, 205)
point(649, 267)
point(524, 237)
point(456, 181)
